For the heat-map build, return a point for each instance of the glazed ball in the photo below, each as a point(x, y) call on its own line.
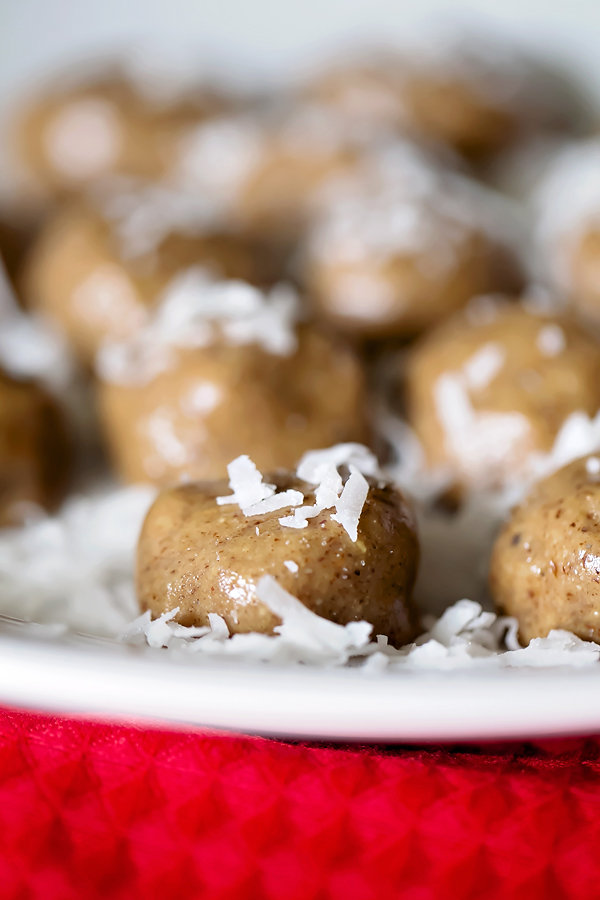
point(98, 269)
point(78, 133)
point(567, 209)
point(205, 558)
point(494, 385)
point(545, 566)
point(406, 246)
point(184, 409)
point(34, 449)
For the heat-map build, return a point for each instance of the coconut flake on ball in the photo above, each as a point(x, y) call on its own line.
point(247, 484)
point(143, 215)
point(195, 309)
point(551, 340)
point(253, 495)
point(315, 464)
point(320, 467)
point(218, 157)
point(350, 504)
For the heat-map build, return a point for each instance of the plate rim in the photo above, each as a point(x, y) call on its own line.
point(69, 676)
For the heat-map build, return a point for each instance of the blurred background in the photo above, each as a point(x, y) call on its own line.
point(267, 39)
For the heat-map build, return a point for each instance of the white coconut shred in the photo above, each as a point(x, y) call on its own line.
point(317, 467)
point(195, 310)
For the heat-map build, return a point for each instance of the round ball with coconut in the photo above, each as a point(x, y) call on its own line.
point(105, 123)
point(490, 389)
point(332, 534)
point(475, 94)
point(268, 171)
point(545, 566)
point(99, 266)
point(224, 368)
point(35, 449)
point(406, 244)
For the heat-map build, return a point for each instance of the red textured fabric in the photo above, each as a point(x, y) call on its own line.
point(90, 810)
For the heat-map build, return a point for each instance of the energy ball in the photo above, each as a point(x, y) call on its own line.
point(34, 449)
point(98, 268)
point(567, 208)
point(267, 172)
point(545, 566)
point(346, 547)
point(491, 387)
point(406, 245)
point(77, 133)
point(481, 96)
point(476, 95)
point(225, 369)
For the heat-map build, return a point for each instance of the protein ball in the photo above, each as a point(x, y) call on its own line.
point(177, 410)
point(475, 94)
point(267, 172)
point(78, 133)
point(406, 245)
point(545, 566)
point(208, 558)
point(35, 451)
point(98, 269)
point(493, 385)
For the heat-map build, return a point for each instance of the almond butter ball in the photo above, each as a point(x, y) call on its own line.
point(365, 92)
point(492, 386)
point(79, 132)
point(199, 388)
point(545, 566)
point(480, 97)
point(34, 449)
point(98, 268)
point(267, 172)
point(474, 94)
point(204, 557)
point(405, 246)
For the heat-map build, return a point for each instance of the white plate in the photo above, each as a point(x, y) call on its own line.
point(103, 678)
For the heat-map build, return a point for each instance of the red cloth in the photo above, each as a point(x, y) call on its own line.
point(90, 810)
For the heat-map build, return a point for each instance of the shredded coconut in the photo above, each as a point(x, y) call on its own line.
point(84, 138)
point(480, 440)
point(39, 581)
point(316, 465)
point(247, 484)
point(291, 566)
point(319, 467)
point(350, 504)
point(403, 204)
point(143, 215)
point(217, 157)
point(193, 311)
point(592, 465)
point(551, 340)
point(465, 635)
point(481, 369)
point(31, 348)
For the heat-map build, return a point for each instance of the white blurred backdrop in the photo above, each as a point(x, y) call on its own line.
point(268, 38)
